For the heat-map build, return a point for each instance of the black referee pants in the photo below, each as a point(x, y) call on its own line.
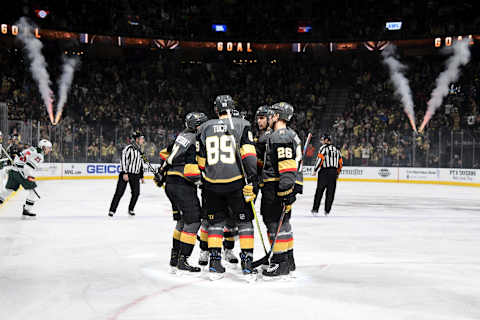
point(327, 179)
point(134, 182)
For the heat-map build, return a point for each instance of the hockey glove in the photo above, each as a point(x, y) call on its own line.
point(159, 178)
point(256, 186)
point(298, 189)
point(248, 193)
point(176, 215)
point(287, 198)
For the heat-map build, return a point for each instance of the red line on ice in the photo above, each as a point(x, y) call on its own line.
point(139, 300)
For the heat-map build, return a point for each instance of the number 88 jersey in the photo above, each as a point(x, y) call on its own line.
point(217, 157)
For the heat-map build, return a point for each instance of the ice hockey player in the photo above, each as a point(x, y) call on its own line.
point(229, 232)
point(224, 187)
point(260, 140)
point(281, 184)
point(182, 178)
point(23, 174)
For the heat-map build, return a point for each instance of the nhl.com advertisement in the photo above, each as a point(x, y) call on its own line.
point(452, 176)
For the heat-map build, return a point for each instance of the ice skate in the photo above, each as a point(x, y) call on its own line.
point(217, 271)
point(184, 268)
point(27, 214)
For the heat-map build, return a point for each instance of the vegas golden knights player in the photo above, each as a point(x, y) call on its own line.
point(225, 191)
point(260, 140)
point(282, 182)
point(230, 231)
point(182, 177)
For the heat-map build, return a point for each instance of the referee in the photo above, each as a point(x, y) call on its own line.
point(330, 163)
point(131, 172)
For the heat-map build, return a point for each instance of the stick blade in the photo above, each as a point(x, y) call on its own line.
point(261, 261)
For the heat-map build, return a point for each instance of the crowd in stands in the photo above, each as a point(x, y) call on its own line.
point(374, 130)
point(111, 98)
point(262, 20)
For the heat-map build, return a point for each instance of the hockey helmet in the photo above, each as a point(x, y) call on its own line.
point(283, 109)
point(223, 103)
point(262, 111)
point(195, 119)
point(44, 143)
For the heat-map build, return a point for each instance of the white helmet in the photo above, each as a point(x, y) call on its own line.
point(44, 143)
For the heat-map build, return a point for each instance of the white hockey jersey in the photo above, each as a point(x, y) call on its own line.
point(28, 161)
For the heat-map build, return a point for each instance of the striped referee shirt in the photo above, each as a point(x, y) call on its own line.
point(131, 160)
point(328, 157)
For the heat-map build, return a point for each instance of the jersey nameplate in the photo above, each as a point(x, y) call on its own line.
point(183, 141)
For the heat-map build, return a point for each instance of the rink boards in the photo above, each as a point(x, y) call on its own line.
point(443, 176)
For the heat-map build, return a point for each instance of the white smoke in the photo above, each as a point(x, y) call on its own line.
point(400, 82)
point(460, 57)
point(65, 81)
point(38, 65)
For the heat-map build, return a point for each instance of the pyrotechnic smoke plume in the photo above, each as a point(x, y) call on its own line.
point(400, 82)
point(38, 65)
point(64, 83)
point(460, 57)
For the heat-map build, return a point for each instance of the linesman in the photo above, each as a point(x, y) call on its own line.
point(330, 163)
point(131, 172)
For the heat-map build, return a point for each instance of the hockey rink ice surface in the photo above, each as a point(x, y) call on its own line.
point(388, 251)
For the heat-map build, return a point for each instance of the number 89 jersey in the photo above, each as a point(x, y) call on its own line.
point(216, 154)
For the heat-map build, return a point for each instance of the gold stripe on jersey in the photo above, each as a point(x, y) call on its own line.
point(287, 166)
point(246, 242)
point(222, 180)
point(201, 162)
point(248, 150)
point(299, 182)
point(285, 193)
point(175, 173)
point(176, 234)
point(203, 235)
point(189, 238)
point(290, 244)
point(164, 154)
point(280, 245)
point(215, 241)
point(271, 180)
point(191, 170)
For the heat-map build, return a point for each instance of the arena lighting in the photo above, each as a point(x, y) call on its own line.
point(219, 27)
point(304, 29)
point(393, 25)
point(42, 14)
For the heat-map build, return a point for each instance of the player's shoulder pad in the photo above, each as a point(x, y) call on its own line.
point(205, 125)
point(294, 136)
point(281, 136)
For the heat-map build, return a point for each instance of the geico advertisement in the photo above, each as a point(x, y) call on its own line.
point(97, 169)
point(100, 169)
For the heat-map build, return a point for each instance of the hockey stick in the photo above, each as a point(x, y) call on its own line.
point(20, 171)
point(244, 173)
point(145, 160)
point(266, 258)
